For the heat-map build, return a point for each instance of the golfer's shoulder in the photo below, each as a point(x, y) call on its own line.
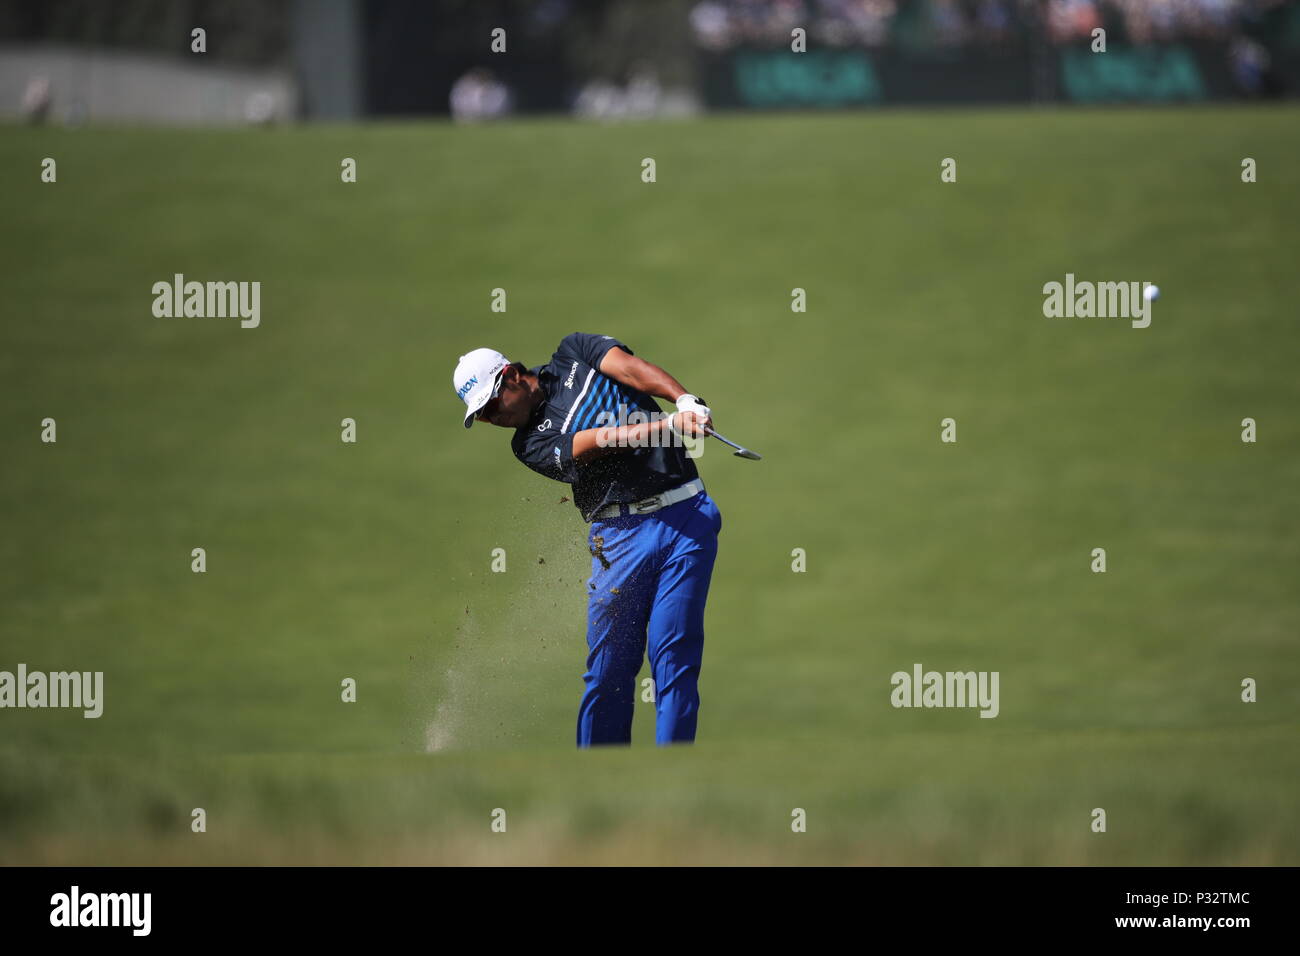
point(587, 347)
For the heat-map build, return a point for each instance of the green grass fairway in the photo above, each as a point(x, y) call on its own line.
point(371, 560)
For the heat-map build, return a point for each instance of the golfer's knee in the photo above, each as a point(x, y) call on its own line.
point(614, 688)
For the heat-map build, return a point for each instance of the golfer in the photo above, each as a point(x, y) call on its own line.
point(589, 419)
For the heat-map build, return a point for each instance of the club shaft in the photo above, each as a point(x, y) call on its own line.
point(725, 441)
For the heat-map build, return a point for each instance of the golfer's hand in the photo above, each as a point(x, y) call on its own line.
point(690, 424)
point(692, 403)
point(694, 416)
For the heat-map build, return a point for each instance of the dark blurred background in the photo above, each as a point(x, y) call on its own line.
point(271, 60)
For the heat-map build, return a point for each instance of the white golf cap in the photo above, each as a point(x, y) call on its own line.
point(477, 379)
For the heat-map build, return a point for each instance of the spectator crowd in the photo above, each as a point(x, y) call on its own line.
point(724, 24)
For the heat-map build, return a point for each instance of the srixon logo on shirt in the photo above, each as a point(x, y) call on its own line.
point(568, 382)
point(75, 908)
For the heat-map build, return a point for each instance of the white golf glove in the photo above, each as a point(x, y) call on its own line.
point(690, 403)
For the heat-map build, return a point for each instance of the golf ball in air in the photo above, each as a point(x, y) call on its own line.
point(1151, 293)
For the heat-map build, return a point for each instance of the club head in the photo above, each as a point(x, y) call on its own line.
point(739, 452)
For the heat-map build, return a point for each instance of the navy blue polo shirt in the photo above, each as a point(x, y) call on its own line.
point(579, 397)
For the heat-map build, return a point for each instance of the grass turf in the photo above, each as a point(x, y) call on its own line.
point(371, 561)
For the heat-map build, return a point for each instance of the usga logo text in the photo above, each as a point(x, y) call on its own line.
point(75, 908)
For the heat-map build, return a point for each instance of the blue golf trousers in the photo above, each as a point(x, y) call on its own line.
point(649, 581)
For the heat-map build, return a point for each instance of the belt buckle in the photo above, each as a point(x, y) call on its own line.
point(646, 505)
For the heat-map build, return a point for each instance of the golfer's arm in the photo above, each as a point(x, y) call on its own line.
point(593, 443)
point(637, 373)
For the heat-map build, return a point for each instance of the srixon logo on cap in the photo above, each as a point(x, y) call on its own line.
point(460, 392)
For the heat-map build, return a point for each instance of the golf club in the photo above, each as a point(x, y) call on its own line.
point(740, 452)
